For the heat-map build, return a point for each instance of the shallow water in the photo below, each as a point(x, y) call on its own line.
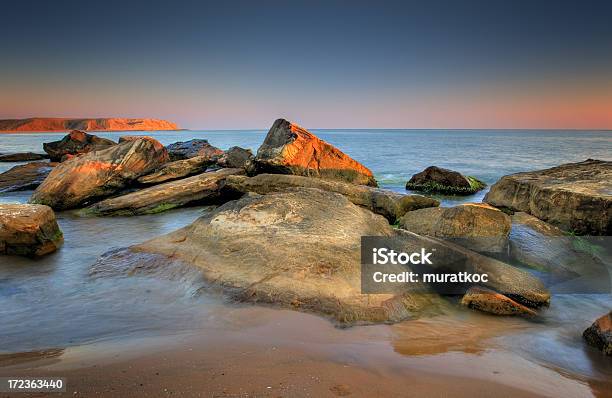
point(54, 302)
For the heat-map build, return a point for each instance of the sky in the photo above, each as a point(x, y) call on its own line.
point(329, 64)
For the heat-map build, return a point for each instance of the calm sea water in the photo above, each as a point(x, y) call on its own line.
point(395, 155)
point(53, 302)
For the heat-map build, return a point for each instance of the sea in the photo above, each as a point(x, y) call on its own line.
point(53, 302)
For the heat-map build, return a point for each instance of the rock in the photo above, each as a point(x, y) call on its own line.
point(599, 334)
point(202, 188)
point(177, 169)
point(21, 157)
point(28, 230)
point(98, 174)
point(300, 249)
point(487, 300)
point(297, 249)
point(569, 264)
point(100, 124)
point(290, 149)
point(504, 278)
point(26, 176)
point(193, 148)
point(389, 204)
point(236, 157)
point(474, 225)
point(573, 196)
point(75, 143)
point(438, 180)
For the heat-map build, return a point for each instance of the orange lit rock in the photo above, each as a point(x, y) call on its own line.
point(101, 124)
point(290, 149)
point(487, 300)
point(95, 175)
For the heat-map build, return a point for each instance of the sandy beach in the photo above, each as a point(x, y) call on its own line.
point(274, 353)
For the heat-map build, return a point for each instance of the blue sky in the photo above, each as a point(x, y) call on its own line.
point(332, 64)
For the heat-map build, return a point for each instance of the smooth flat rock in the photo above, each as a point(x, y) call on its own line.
point(568, 264)
point(573, 196)
point(95, 175)
point(444, 181)
point(477, 226)
point(75, 143)
point(28, 230)
point(177, 169)
point(21, 157)
point(291, 149)
point(201, 188)
point(389, 204)
point(599, 334)
point(26, 176)
point(192, 148)
point(300, 249)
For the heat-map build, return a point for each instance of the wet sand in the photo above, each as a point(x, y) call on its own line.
point(272, 353)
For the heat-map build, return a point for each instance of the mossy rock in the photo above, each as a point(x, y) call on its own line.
point(443, 181)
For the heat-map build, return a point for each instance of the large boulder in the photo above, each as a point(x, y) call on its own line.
point(98, 174)
point(75, 143)
point(291, 149)
point(25, 176)
point(192, 148)
point(438, 180)
point(599, 334)
point(573, 196)
point(569, 264)
point(451, 258)
point(28, 230)
point(300, 249)
point(389, 204)
point(21, 157)
point(474, 225)
point(487, 300)
point(202, 188)
point(177, 169)
point(236, 157)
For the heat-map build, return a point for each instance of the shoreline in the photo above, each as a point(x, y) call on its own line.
point(235, 363)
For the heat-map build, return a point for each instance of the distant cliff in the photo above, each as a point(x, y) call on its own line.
point(62, 124)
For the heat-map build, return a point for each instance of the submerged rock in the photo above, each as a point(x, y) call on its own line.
point(21, 157)
point(599, 334)
point(389, 204)
point(291, 149)
point(202, 188)
point(474, 225)
point(25, 176)
point(192, 148)
point(300, 249)
point(75, 143)
point(438, 180)
point(177, 169)
point(236, 157)
point(487, 300)
point(28, 230)
point(98, 174)
point(574, 264)
point(573, 196)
